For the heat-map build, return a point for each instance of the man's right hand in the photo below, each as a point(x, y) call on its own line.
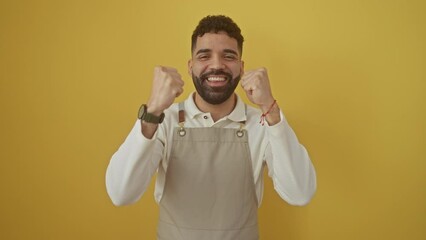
point(166, 86)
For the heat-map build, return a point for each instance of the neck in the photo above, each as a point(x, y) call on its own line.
point(217, 111)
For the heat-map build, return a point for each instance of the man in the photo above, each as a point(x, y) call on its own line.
point(210, 150)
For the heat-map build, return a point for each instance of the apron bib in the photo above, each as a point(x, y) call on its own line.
point(209, 193)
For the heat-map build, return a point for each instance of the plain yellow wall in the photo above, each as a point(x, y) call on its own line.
point(350, 76)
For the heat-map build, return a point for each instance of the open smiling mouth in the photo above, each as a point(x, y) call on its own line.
point(216, 81)
point(216, 78)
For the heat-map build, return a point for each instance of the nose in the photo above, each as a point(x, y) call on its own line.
point(217, 63)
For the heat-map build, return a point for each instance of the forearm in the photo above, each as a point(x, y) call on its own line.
point(289, 166)
point(131, 168)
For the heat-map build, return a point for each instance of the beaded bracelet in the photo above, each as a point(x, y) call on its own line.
point(262, 118)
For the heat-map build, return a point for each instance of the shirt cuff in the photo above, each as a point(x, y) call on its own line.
point(278, 129)
point(140, 137)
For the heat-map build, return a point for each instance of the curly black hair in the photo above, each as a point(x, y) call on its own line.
point(215, 24)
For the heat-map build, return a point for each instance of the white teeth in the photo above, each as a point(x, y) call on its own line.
point(216, 79)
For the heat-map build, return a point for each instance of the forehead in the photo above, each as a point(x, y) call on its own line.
point(216, 42)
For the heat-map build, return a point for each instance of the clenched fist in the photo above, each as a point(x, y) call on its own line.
point(166, 86)
point(256, 85)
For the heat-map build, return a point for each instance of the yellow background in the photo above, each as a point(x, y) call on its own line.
point(350, 76)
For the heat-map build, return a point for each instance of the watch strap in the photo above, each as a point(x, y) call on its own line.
point(149, 117)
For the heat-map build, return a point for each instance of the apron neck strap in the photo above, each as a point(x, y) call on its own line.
point(181, 113)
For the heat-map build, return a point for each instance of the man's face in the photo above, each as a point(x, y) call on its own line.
point(216, 67)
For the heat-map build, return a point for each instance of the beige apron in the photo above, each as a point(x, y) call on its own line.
point(209, 192)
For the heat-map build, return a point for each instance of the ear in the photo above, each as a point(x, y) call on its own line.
point(190, 67)
point(242, 68)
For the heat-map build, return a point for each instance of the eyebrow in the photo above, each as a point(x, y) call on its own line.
point(206, 50)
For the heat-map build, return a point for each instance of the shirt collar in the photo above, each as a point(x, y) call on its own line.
point(237, 115)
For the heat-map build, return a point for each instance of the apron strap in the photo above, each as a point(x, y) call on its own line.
point(240, 132)
point(181, 130)
point(181, 112)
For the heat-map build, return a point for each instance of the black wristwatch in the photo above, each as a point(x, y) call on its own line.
point(148, 117)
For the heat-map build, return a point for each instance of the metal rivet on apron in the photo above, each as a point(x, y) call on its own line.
point(182, 132)
point(240, 133)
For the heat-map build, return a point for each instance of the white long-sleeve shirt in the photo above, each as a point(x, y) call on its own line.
point(132, 167)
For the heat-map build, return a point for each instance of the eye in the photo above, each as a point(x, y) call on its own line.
point(230, 57)
point(203, 57)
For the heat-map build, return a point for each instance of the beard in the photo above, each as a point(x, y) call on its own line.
point(215, 95)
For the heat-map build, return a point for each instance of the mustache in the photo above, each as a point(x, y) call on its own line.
point(216, 72)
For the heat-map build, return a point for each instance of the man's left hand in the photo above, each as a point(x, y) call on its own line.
point(256, 85)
